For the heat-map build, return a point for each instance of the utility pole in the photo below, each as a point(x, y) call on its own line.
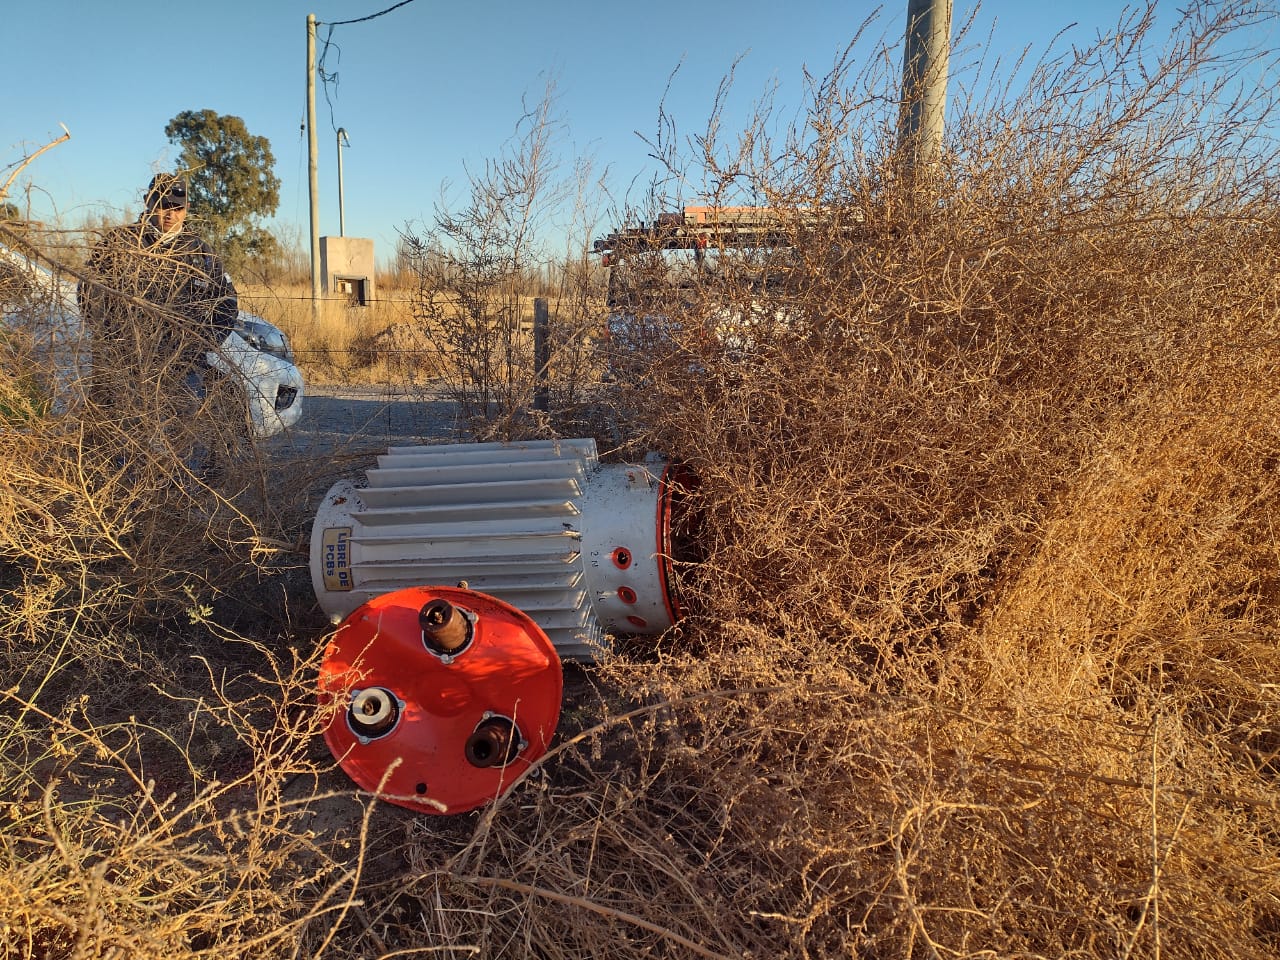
point(313, 161)
point(925, 64)
point(342, 218)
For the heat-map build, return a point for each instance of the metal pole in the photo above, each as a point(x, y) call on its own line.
point(541, 353)
point(925, 64)
point(342, 219)
point(313, 153)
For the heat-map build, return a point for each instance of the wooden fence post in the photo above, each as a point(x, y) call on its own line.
point(541, 354)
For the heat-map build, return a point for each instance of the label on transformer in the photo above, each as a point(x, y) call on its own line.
point(336, 558)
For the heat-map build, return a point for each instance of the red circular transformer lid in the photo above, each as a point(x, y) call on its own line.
point(439, 726)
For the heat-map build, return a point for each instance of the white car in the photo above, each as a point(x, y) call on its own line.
point(255, 353)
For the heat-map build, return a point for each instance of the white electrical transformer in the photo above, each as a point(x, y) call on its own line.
point(584, 548)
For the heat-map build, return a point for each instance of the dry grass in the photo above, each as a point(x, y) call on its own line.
point(333, 344)
point(419, 339)
point(984, 655)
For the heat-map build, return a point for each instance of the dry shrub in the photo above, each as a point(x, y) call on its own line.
point(145, 752)
point(983, 653)
point(109, 517)
point(173, 832)
point(982, 656)
point(475, 268)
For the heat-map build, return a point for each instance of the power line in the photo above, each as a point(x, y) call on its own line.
point(331, 78)
point(372, 16)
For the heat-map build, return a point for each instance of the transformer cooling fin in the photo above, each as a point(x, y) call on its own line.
point(581, 547)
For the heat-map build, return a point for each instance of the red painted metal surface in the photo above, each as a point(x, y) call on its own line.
point(677, 532)
point(430, 728)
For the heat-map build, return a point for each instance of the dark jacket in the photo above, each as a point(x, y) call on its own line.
point(154, 303)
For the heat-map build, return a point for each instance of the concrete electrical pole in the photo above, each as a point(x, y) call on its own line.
point(313, 153)
point(342, 215)
point(925, 64)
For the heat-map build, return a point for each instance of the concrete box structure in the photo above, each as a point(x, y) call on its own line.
point(346, 268)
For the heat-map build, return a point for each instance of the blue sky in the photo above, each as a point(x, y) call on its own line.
point(424, 91)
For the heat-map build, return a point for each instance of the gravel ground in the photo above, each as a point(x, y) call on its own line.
point(356, 420)
point(342, 431)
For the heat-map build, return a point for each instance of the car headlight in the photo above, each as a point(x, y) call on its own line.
point(285, 397)
point(264, 336)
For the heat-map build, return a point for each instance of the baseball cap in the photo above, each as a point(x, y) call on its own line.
point(166, 190)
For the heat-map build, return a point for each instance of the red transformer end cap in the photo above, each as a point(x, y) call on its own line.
point(441, 697)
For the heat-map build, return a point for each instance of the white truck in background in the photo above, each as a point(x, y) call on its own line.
point(723, 269)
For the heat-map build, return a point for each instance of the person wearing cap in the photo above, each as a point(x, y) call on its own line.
point(155, 299)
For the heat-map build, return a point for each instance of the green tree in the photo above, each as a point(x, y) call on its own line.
point(232, 183)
